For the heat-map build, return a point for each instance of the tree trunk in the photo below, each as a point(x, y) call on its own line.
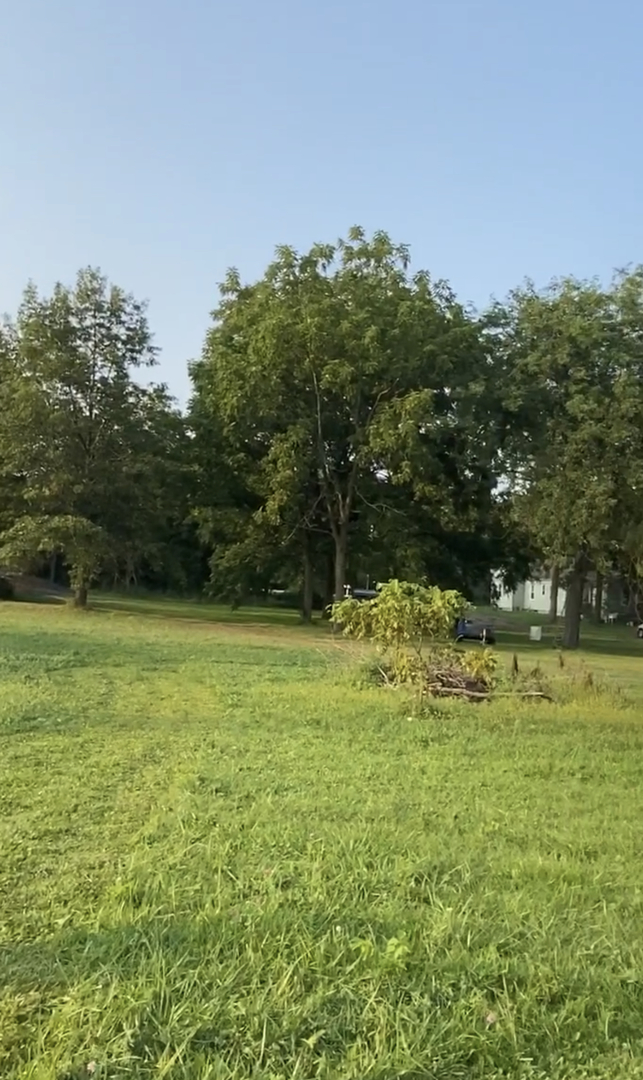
point(80, 596)
point(573, 608)
point(308, 588)
point(553, 600)
point(53, 566)
point(341, 551)
point(329, 585)
point(598, 597)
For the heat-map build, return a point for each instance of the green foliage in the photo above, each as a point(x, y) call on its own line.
point(336, 388)
point(481, 665)
point(400, 620)
point(575, 392)
point(351, 421)
point(83, 440)
point(85, 545)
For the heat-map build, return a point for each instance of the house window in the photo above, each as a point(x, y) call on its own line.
point(544, 590)
point(533, 591)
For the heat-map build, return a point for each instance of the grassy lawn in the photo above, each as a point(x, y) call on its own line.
point(222, 858)
point(198, 611)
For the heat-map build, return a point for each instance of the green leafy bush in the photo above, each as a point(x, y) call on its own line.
point(412, 628)
point(402, 620)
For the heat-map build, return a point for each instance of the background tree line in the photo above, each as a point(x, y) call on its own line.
point(350, 421)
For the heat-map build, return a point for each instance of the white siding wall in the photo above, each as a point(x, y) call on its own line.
point(506, 598)
point(529, 596)
point(538, 597)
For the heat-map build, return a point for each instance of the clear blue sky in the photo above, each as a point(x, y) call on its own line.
point(164, 141)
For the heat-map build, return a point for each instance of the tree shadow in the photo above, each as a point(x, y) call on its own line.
point(596, 641)
point(39, 975)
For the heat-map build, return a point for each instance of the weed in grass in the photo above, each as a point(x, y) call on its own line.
point(223, 859)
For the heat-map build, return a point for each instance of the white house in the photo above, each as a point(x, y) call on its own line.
point(535, 595)
point(531, 595)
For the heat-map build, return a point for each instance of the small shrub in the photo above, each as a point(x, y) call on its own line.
point(6, 589)
point(481, 666)
point(400, 620)
point(412, 627)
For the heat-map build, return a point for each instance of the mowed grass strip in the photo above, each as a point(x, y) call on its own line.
point(220, 857)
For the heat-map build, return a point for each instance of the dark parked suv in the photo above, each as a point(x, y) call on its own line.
point(474, 630)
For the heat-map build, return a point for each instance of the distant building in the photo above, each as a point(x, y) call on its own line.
point(531, 595)
point(618, 603)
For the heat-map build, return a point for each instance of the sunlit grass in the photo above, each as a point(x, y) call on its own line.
point(221, 857)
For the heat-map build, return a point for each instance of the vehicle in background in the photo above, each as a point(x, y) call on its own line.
point(475, 630)
point(359, 594)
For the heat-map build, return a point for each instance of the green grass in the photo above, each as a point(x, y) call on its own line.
point(198, 610)
point(222, 858)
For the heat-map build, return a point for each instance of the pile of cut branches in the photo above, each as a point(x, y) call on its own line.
point(452, 680)
point(411, 626)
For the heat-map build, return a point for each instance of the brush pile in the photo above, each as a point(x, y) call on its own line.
point(443, 679)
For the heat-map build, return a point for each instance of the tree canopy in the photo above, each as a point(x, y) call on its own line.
point(351, 421)
point(344, 392)
point(576, 462)
point(86, 451)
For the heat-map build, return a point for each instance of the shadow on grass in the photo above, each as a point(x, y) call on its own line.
point(82, 965)
point(50, 599)
point(514, 634)
point(156, 982)
point(599, 641)
point(42, 975)
point(202, 611)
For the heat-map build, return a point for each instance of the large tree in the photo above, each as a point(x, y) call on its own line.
point(333, 381)
point(575, 355)
point(86, 445)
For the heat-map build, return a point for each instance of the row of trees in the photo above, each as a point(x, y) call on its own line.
point(349, 421)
